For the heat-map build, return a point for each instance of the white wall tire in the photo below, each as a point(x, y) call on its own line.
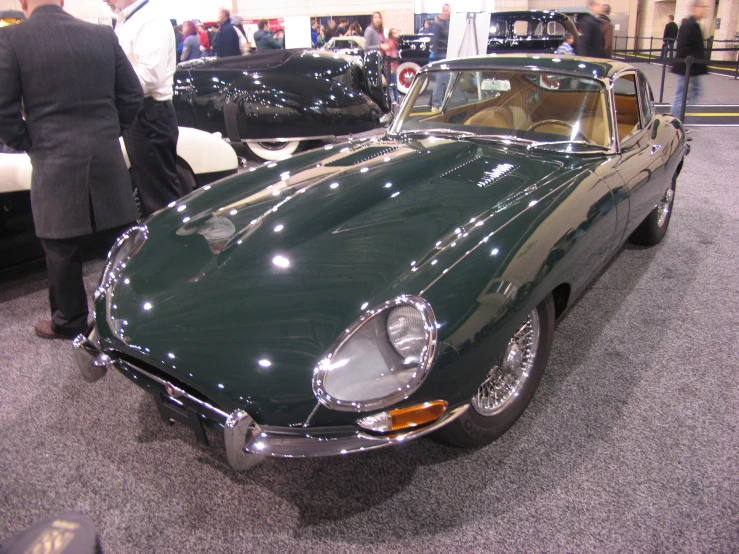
point(272, 151)
point(406, 72)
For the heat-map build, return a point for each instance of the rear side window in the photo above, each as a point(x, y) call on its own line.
point(498, 28)
point(555, 29)
point(646, 99)
point(522, 28)
point(625, 94)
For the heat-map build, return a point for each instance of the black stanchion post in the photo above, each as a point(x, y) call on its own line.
point(651, 45)
point(709, 47)
point(662, 84)
point(688, 65)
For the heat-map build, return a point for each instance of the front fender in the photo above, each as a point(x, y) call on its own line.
point(15, 172)
point(203, 152)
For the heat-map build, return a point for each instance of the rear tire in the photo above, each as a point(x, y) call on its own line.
point(510, 384)
point(652, 230)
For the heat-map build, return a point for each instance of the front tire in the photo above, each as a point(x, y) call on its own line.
point(273, 151)
point(186, 178)
point(652, 230)
point(511, 382)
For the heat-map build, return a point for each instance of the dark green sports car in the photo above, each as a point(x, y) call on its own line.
point(365, 294)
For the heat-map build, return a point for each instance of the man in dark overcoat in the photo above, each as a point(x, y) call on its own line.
point(690, 43)
point(67, 93)
point(591, 42)
point(227, 41)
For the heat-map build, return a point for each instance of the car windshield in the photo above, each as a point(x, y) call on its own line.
point(542, 110)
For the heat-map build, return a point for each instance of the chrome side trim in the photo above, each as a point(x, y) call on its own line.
point(285, 442)
point(283, 139)
point(123, 365)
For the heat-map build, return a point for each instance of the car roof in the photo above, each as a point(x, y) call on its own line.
point(587, 67)
point(536, 14)
point(265, 60)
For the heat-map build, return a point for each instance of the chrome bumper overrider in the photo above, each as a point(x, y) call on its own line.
point(247, 442)
point(91, 362)
point(245, 437)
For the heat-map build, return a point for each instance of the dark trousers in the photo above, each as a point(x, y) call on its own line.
point(151, 144)
point(67, 295)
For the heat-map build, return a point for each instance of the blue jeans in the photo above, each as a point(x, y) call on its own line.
point(393, 86)
point(437, 96)
point(694, 92)
point(668, 48)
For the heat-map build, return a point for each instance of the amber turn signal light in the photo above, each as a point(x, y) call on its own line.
point(404, 418)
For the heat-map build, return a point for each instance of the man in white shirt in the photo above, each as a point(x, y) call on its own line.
point(151, 142)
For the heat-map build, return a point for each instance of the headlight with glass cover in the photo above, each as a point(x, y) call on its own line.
point(381, 359)
point(122, 251)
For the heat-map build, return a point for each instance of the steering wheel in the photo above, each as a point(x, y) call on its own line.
point(557, 122)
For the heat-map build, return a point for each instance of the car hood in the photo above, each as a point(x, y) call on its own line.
point(242, 286)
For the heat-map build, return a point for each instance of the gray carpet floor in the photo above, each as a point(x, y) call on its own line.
point(630, 444)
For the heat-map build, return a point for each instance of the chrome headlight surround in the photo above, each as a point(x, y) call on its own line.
point(415, 368)
point(124, 248)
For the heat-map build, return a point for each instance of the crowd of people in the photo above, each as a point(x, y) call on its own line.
point(227, 37)
point(321, 34)
point(596, 33)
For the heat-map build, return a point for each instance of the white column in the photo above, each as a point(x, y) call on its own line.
point(728, 12)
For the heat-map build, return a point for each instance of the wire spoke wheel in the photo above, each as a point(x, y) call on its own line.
point(507, 377)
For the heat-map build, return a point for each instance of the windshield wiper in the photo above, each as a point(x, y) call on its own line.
point(440, 131)
point(505, 139)
point(555, 145)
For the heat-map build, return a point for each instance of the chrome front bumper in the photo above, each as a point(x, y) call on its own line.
point(247, 442)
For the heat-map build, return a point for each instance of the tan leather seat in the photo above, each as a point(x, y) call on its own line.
point(596, 130)
point(556, 129)
point(520, 119)
point(491, 117)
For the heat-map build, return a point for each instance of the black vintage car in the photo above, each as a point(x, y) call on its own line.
point(275, 101)
point(509, 33)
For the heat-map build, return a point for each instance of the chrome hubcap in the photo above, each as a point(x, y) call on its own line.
point(506, 378)
point(664, 207)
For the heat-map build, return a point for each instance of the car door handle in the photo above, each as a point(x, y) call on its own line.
point(655, 148)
